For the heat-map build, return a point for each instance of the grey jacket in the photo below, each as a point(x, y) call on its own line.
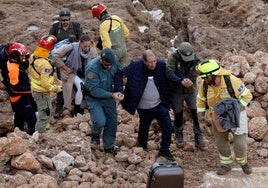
point(229, 113)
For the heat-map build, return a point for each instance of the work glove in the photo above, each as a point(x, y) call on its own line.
point(58, 89)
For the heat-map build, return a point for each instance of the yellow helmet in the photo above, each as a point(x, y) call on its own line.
point(208, 67)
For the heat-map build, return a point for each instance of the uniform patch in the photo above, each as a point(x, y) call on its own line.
point(241, 88)
point(47, 71)
point(90, 75)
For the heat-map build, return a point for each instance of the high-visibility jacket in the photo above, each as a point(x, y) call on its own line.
point(113, 33)
point(18, 79)
point(41, 75)
point(217, 93)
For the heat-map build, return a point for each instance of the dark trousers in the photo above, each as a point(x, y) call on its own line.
point(24, 112)
point(161, 114)
point(178, 122)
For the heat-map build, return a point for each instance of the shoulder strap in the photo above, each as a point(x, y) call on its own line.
point(229, 86)
point(55, 27)
point(32, 64)
point(76, 27)
point(228, 83)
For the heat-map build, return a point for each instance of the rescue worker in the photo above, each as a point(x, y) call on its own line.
point(42, 81)
point(101, 98)
point(19, 87)
point(73, 70)
point(184, 61)
point(213, 75)
point(147, 91)
point(64, 29)
point(113, 32)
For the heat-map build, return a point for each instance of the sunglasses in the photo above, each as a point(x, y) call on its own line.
point(65, 20)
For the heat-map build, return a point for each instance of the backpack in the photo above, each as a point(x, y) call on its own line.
point(229, 85)
point(57, 46)
point(76, 28)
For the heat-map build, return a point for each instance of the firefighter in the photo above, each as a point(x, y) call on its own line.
point(42, 81)
point(19, 87)
point(213, 75)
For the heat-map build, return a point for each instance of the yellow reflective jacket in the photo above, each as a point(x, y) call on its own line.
point(217, 93)
point(41, 75)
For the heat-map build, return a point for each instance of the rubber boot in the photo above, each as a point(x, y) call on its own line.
point(78, 111)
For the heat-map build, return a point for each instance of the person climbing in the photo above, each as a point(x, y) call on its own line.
point(64, 29)
point(42, 81)
point(113, 32)
point(213, 79)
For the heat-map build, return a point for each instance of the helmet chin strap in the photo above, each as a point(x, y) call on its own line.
point(212, 82)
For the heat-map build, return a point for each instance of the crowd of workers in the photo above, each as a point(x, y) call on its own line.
point(147, 85)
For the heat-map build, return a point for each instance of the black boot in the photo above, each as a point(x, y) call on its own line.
point(78, 111)
point(59, 105)
point(178, 129)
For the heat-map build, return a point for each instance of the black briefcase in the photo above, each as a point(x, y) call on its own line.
point(165, 175)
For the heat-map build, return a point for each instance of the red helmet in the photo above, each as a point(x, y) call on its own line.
point(97, 9)
point(48, 42)
point(18, 48)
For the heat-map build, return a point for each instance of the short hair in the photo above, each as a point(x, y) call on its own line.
point(146, 54)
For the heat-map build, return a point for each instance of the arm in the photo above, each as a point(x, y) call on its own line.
point(59, 54)
point(104, 34)
point(201, 100)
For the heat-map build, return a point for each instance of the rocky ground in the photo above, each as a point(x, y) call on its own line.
point(233, 31)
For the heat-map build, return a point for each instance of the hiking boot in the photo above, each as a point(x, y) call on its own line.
point(166, 154)
point(224, 169)
point(201, 145)
point(58, 112)
point(113, 150)
point(95, 140)
point(180, 143)
point(144, 147)
point(246, 168)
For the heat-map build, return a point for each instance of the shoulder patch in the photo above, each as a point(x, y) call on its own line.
point(241, 88)
point(47, 71)
point(90, 75)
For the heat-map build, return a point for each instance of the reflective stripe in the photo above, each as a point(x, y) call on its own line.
point(226, 160)
point(201, 98)
point(244, 103)
point(241, 160)
point(201, 109)
point(15, 99)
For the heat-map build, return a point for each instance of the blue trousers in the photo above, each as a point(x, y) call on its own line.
point(161, 114)
point(103, 115)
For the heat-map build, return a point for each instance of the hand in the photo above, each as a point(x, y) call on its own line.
point(186, 82)
point(118, 96)
point(58, 89)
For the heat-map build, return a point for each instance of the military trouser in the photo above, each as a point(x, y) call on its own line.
point(239, 143)
point(103, 115)
point(43, 102)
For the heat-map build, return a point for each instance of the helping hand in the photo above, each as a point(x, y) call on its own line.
point(186, 82)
